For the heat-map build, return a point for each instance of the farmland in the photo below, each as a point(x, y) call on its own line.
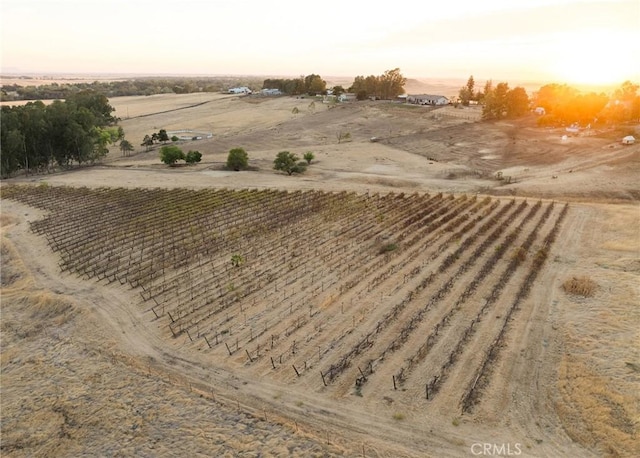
point(395, 301)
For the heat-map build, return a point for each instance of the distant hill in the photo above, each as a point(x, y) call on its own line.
point(448, 88)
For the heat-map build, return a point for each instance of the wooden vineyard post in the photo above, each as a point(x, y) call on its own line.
point(394, 382)
point(294, 368)
point(323, 380)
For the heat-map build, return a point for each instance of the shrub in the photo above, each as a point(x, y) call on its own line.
point(288, 162)
point(192, 157)
point(237, 260)
point(308, 156)
point(237, 159)
point(388, 248)
point(580, 286)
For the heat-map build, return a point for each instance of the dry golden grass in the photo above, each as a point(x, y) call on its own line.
point(580, 286)
point(600, 417)
point(67, 392)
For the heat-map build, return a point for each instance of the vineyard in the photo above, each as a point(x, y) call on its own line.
point(340, 293)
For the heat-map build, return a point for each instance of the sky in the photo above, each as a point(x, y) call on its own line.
point(569, 41)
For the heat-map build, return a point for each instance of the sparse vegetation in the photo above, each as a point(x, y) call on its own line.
point(308, 156)
point(343, 136)
point(388, 247)
point(580, 286)
point(237, 260)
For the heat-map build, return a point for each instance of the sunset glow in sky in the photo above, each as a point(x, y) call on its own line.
point(573, 41)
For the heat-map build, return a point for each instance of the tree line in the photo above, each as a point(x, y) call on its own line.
point(129, 87)
point(387, 86)
point(561, 104)
point(311, 84)
point(37, 137)
point(564, 105)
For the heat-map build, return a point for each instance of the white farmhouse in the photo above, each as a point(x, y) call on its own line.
point(427, 99)
point(347, 97)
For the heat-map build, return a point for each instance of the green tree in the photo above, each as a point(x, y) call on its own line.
point(193, 157)
point(314, 84)
point(337, 90)
point(175, 138)
point(391, 84)
point(517, 102)
point(126, 147)
point(238, 159)
point(308, 156)
point(13, 144)
point(495, 102)
point(288, 162)
point(171, 154)
point(466, 93)
point(162, 136)
point(96, 103)
point(103, 138)
point(147, 142)
point(387, 86)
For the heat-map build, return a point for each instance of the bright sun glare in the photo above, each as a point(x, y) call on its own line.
point(596, 62)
